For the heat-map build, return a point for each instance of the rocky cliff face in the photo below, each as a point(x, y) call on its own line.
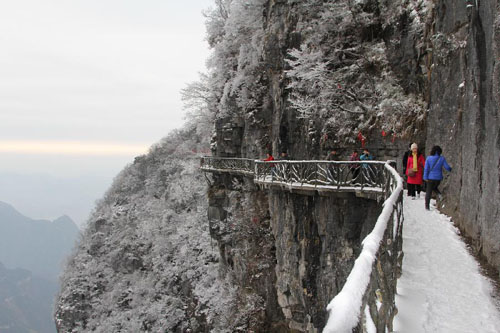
point(317, 240)
point(464, 116)
point(146, 262)
point(292, 251)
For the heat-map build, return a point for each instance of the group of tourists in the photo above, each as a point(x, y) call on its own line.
point(418, 170)
point(333, 155)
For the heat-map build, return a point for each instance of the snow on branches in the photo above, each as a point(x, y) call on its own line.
point(236, 63)
point(341, 73)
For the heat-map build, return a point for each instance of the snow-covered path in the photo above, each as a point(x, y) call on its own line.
point(441, 289)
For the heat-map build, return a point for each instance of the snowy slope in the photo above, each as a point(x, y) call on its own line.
point(441, 289)
point(146, 262)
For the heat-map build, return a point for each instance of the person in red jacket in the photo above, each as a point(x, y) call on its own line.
point(272, 166)
point(268, 158)
point(355, 166)
point(415, 171)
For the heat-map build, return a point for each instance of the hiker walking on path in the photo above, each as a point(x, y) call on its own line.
point(333, 156)
point(433, 173)
point(354, 166)
point(272, 166)
point(405, 158)
point(415, 172)
point(283, 156)
point(269, 157)
point(405, 164)
point(367, 170)
point(366, 156)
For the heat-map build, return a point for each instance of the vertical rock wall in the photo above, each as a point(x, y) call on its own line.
point(290, 253)
point(317, 240)
point(240, 223)
point(464, 116)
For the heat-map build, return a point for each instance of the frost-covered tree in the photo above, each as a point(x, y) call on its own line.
point(146, 262)
point(341, 76)
point(235, 32)
point(199, 102)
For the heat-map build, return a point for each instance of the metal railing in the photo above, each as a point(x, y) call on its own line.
point(339, 175)
point(379, 258)
point(366, 176)
point(243, 166)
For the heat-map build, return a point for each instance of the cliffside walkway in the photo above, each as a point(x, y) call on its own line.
point(364, 178)
point(441, 288)
point(360, 296)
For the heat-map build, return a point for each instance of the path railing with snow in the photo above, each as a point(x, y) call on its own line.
point(365, 293)
point(243, 166)
point(367, 176)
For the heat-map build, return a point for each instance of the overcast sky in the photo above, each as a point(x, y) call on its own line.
point(86, 85)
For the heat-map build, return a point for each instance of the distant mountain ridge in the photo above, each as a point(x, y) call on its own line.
point(39, 246)
point(41, 195)
point(25, 302)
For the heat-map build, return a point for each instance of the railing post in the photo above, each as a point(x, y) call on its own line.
point(337, 169)
point(271, 171)
point(363, 175)
point(387, 182)
point(317, 176)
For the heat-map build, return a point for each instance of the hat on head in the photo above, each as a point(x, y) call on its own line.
point(414, 145)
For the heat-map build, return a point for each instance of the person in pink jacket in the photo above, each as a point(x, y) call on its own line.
point(415, 171)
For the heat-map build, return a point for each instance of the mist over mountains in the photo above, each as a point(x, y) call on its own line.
point(31, 256)
point(46, 196)
point(26, 302)
point(39, 246)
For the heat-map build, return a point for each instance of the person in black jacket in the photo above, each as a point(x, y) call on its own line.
point(333, 156)
point(405, 158)
point(405, 163)
point(283, 156)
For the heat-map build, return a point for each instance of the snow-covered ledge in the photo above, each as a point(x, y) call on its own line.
point(367, 298)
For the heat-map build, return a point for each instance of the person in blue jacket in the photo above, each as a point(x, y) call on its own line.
point(367, 170)
point(433, 173)
point(366, 156)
